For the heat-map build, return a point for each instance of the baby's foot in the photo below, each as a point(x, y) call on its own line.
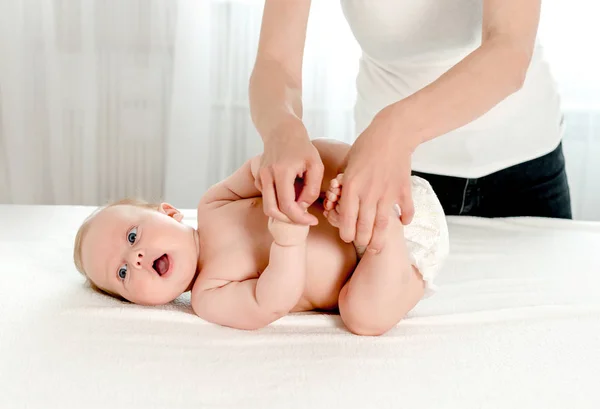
point(331, 205)
point(332, 197)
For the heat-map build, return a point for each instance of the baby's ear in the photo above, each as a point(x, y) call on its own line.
point(170, 211)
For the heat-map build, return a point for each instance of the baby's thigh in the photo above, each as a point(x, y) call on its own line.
point(383, 288)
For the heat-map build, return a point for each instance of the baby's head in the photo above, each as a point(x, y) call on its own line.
point(138, 251)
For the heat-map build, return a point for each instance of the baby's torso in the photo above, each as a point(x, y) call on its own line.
point(235, 237)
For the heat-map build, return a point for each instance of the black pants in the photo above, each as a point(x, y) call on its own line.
point(537, 187)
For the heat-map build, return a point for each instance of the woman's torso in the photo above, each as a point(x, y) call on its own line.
point(409, 44)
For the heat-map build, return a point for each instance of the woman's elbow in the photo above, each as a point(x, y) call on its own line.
point(519, 67)
point(518, 78)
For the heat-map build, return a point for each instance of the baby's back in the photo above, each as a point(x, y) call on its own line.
point(235, 246)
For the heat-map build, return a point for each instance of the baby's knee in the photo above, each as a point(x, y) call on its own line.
point(359, 320)
point(367, 326)
point(368, 330)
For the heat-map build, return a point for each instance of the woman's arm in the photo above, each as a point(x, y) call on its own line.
point(275, 93)
point(480, 81)
point(276, 82)
point(378, 172)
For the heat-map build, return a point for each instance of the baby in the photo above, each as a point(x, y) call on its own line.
point(245, 270)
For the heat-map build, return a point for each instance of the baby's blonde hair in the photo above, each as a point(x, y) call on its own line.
point(83, 229)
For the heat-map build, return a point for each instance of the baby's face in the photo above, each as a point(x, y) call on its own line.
point(146, 256)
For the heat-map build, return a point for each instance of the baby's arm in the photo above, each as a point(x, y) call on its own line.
point(255, 303)
point(239, 185)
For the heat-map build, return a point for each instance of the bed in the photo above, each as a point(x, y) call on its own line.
point(515, 324)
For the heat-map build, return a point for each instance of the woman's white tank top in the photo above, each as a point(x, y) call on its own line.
point(407, 44)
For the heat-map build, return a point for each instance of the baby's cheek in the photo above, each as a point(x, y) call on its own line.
point(141, 289)
point(142, 292)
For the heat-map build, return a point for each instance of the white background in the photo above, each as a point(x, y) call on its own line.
point(105, 99)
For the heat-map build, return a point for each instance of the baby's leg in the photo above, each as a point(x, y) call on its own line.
point(384, 286)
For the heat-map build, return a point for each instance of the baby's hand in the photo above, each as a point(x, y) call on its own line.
point(287, 233)
point(332, 197)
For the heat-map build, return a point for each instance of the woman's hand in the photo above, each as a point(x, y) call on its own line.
point(288, 156)
point(376, 177)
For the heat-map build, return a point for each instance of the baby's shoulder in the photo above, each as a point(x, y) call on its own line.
point(229, 204)
point(230, 212)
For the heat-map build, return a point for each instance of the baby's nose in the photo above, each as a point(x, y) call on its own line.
point(137, 258)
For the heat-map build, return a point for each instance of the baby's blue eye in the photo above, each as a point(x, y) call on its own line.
point(131, 236)
point(122, 272)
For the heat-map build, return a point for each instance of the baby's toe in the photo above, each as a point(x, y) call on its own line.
point(333, 217)
point(332, 196)
point(337, 181)
point(335, 190)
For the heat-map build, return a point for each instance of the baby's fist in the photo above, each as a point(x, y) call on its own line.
point(288, 234)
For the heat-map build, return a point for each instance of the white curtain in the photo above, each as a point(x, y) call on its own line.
point(85, 90)
point(213, 63)
point(101, 99)
point(570, 31)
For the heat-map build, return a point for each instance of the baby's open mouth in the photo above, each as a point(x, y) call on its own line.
point(161, 264)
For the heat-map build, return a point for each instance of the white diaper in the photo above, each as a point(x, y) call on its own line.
point(427, 234)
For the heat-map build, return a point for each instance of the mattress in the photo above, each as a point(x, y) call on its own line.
point(515, 324)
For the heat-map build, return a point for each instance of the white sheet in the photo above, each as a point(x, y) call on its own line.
point(516, 324)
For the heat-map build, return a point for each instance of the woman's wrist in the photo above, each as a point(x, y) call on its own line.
point(285, 126)
point(398, 124)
